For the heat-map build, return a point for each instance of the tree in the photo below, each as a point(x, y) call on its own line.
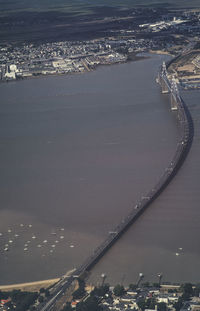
point(186, 297)
point(47, 293)
point(187, 289)
point(100, 291)
point(150, 303)
point(178, 305)
point(79, 293)
point(170, 290)
point(40, 299)
point(162, 306)
point(133, 286)
point(42, 290)
point(23, 300)
point(119, 290)
point(81, 283)
point(16, 295)
point(196, 290)
point(91, 304)
point(141, 304)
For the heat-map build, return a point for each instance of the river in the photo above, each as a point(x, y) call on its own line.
point(77, 152)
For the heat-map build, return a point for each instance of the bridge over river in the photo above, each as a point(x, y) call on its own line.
point(186, 125)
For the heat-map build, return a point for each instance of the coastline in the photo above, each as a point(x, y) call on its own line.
point(160, 52)
point(29, 286)
point(132, 57)
point(33, 286)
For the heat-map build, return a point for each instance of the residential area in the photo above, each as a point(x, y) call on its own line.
point(144, 297)
point(169, 34)
point(85, 297)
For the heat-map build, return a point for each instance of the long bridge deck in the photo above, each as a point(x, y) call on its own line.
point(183, 147)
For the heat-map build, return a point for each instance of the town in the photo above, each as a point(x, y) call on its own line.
point(169, 34)
point(140, 296)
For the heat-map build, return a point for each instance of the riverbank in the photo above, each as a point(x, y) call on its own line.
point(160, 52)
point(29, 286)
point(131, 57)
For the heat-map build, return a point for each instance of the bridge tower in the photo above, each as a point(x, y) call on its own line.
point(174, 95)
point(164, 68)
point(163, 84)
point(163, 79)
point(161, 73)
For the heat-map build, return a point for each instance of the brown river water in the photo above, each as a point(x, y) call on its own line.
point(76, 153)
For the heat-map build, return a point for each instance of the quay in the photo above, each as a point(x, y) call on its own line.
point(186, 126)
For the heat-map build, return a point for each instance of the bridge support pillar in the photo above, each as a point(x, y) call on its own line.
point(174, 95)
point(173, 101)
point(163, 84)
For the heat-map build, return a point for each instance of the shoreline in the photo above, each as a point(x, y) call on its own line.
point(33, 285)
point(133, 58)
point(160, 52)
point(29, 286)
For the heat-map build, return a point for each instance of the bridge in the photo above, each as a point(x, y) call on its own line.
point(168, 86)
point(186, 125)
